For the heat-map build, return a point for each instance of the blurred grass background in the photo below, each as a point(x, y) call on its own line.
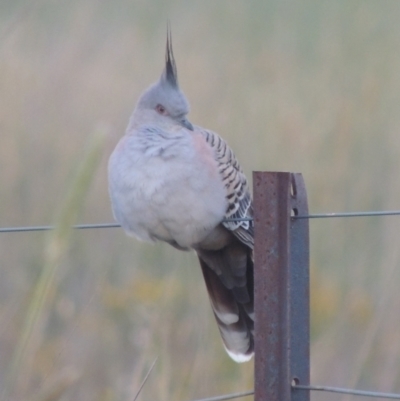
point(309, 86)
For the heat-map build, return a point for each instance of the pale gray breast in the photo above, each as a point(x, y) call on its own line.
point(160, 183)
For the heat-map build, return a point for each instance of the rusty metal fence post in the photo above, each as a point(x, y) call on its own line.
point(281, 287)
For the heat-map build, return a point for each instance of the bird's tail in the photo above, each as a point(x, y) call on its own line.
point(232, 299)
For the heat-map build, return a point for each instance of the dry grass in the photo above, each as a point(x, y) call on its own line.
point(311, 86)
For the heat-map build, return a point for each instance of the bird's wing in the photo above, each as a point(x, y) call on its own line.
point(240, 204)
point(228, 272)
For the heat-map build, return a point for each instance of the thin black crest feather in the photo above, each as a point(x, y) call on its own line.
point(170, 66)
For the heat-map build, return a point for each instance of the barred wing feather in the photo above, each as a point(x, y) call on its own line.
point(238, 196)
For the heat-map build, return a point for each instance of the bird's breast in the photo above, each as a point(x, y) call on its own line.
point(168, 190)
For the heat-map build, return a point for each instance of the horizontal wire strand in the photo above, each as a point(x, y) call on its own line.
point(361, 393)
point(47, 228)
point(329, 389)
point(349, 214)
point(230, 220)
point(227, 396)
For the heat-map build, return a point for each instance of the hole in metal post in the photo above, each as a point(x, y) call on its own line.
point(295, 381)
point(294, 212)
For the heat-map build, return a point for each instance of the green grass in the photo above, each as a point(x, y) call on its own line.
point(309, 86)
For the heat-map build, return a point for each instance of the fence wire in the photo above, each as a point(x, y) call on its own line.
point(361, 393)
point(227, 396)
point(116, 225)
point(47, 228)
point(350, 214)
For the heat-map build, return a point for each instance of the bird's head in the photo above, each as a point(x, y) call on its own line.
point(163, 102)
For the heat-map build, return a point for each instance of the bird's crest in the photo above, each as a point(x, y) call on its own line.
point(170, 74)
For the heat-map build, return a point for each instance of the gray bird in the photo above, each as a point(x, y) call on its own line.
point(175, 182)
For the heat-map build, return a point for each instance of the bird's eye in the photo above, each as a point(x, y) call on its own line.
point(161, 110)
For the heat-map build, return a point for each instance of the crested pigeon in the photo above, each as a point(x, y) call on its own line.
point(176, 182)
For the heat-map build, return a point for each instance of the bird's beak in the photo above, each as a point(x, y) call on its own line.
point(187, 124)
